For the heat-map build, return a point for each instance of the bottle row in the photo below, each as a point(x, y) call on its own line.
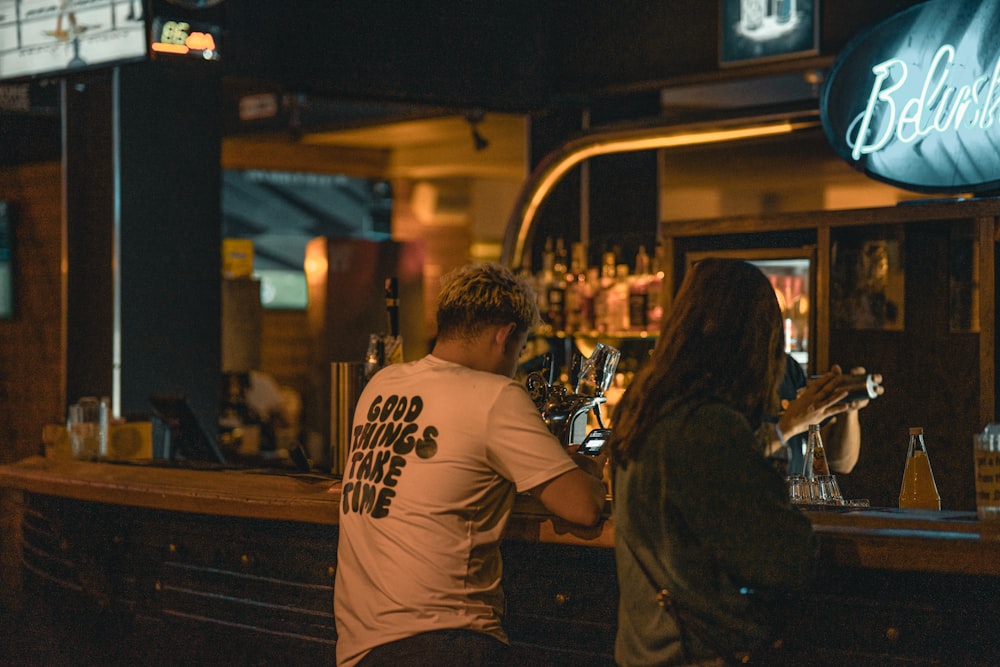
point(615, 298)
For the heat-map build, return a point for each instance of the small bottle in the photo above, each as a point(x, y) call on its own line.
point(918, 491)
point(815, 461)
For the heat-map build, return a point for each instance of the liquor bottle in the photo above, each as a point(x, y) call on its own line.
point(654, 290)
point(394, 346)
point(386, 348)
point(603, 292)
point(617, 300)
point(544, 278)
point(575, 288)
point(555, 295)
point(638, 292)
point(918, 490)
point(815, 461)
point(589, 288)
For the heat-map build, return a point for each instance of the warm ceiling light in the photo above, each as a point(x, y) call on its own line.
point(555, 165)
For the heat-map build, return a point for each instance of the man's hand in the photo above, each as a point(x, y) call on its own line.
point(817, 401)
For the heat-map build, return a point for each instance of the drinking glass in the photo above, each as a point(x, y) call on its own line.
point(828, 491)
point(598, 370)
point(83, 424)
point(798, 492)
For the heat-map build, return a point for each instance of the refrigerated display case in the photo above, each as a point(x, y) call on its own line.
point(791, 272)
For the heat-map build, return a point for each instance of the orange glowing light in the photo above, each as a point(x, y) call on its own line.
point(163, 47)
point(316, 265)
point(200, 41)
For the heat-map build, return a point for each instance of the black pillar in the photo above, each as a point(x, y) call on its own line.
point(142, 175)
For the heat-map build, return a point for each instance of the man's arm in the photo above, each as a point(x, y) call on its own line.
point(842, 436)
point(578, 495)
point(842, 441)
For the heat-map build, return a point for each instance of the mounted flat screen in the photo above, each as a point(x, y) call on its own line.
point(56, 37)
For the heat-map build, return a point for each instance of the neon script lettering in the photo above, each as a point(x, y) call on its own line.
point(941, 106)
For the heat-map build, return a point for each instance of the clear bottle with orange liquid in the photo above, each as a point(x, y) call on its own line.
point(918, 491)
point(815, 461)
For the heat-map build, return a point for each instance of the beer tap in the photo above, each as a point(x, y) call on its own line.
point(565, 413)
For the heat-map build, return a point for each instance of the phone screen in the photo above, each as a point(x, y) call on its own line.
point(594, 442)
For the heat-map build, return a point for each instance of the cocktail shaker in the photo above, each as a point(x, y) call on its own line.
point(859, 387)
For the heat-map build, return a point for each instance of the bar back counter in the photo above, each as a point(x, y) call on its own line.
point(135, 564)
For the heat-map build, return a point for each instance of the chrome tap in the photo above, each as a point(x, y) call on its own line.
point(565, 413)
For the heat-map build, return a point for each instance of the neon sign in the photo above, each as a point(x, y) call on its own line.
point(185, 39)
point(916, 100)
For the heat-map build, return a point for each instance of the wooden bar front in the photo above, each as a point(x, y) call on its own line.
point(142, 563)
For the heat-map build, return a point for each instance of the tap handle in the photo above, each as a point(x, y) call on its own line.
point(538, 389)
point(549, 363)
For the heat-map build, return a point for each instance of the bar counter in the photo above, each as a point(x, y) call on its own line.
point(252, 553)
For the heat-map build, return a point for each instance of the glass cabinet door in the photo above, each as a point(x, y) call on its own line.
point(791, 272)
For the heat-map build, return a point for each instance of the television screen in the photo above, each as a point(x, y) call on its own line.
point(54, 37)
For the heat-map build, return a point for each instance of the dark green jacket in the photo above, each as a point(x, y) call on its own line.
point(708, 519)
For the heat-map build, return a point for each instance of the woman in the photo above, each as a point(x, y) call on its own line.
point(704, 531)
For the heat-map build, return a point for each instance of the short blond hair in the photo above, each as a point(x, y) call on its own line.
point(485, 294)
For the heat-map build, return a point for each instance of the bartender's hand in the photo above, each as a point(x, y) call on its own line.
point(854, 406)
point(815, 403)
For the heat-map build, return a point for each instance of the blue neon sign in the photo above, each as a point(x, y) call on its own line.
point(915, 101)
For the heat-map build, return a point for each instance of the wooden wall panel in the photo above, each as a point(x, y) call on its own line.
point(32, 346)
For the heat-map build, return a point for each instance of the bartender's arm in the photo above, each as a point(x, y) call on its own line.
point(815, 403)
point(842, 436)
point(842, 441)
point(578, 495)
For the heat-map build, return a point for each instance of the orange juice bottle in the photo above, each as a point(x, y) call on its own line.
point(815, 463)
point(918, 491)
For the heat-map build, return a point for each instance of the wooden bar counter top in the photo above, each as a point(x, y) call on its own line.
point(896, 586)
point(881, 538)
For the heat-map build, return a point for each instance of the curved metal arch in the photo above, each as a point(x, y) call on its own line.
point(556, 164)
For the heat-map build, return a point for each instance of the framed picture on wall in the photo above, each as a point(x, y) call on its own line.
point(868, 279)
point(759, 30)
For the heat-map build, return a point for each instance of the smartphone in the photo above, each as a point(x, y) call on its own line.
point(593, 444)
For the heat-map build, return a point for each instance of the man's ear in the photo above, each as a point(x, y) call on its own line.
point(504, 334)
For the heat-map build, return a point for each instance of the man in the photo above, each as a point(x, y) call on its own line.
point(818, 401)
point(439, 449)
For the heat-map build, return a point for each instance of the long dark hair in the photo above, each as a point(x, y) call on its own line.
point(722, 340)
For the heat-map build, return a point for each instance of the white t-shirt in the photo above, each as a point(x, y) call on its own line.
point(438, 453)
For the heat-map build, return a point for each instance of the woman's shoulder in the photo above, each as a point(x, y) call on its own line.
point(697, 409)
point(702, 419)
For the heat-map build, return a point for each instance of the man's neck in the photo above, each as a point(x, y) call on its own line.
point(477, 353)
